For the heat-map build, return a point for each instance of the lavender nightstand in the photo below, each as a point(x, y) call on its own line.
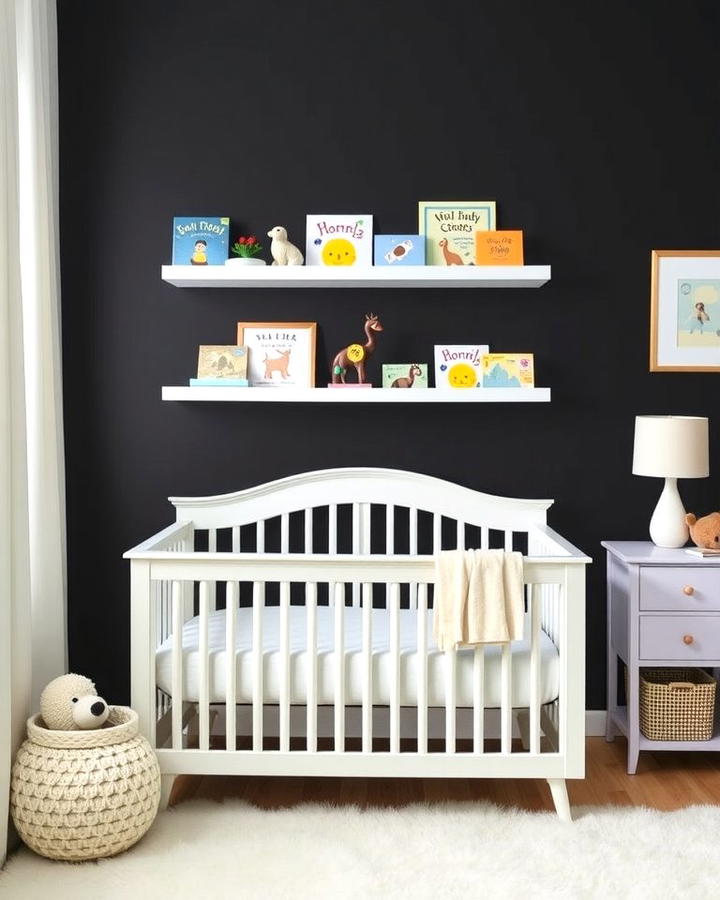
point(663, 609)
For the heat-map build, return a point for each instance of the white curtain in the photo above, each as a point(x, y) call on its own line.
point(32, 477)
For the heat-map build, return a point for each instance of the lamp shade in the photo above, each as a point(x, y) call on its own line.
point(671, 447)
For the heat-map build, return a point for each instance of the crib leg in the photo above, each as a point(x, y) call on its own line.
point(166, 786)
point(558, 789)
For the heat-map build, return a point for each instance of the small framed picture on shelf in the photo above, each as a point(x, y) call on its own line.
point(685, 311)
point(280, 354)
point(221, 364)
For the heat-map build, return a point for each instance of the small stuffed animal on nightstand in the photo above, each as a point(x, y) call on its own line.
point(282, 251)
point(70, 703)
point(705, 532)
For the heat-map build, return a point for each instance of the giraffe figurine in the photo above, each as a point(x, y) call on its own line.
point(356, 354)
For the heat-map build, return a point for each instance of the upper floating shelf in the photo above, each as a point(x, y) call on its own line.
point(357, 277)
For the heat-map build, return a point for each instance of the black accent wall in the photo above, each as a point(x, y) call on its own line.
point(595, 128)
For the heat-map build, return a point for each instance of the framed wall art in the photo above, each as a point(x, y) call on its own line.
point(685, 311)
point(280, 354)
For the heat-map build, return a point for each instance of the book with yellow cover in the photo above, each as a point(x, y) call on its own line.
point(508, 370)
point(449, 227)
point(498, 248)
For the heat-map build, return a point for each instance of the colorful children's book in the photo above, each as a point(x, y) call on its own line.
point(405, 375)
point(449, 227)
point(399, 250)
point(498, 248)
point(459, 365)
point(339, 240)
point(220, 361)
point(508, 370)
point(200, 240)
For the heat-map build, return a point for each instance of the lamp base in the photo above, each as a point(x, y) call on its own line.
point(667, 526)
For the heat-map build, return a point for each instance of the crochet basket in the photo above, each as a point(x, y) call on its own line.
point(84, 794)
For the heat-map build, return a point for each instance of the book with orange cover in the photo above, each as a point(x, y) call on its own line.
point(498, 248)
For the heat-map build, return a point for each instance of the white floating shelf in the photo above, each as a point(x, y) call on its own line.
point(357, 395)
point(357, 277)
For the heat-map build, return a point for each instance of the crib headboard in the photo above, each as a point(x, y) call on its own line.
point(364, 489)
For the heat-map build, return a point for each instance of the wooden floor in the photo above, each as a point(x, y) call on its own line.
point(663, 781)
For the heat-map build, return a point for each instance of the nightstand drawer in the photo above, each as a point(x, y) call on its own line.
point(680, 637)
point(681, 588)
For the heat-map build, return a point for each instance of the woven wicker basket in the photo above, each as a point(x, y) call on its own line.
point(676, 704)
point(85, 794)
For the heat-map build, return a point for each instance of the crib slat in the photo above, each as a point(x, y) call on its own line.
point(484, 537)
point(367, 698)
point(413, 552)
point(332, 528)
point(339, 651)
point(177, 664)
point(258, 604)
point(479, 700)
point(308, 522)
point(389, 528)
point(311, 657)
point(437, 532)
point(422, 671)
point(460, 535)
point(394, 668)
point(506, 699)
point(508, 541)
point(231, 604)
point(534, 668)
point(236, 539)
point(204, 654)
point(260, 535)
point(284, 666)
point(450, 699)
point(284, 533)
point(357, 545)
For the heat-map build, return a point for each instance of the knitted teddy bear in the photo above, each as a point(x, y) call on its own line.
point(70, 703)
point(705, 532)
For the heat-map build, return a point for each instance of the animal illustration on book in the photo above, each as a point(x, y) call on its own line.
point(409, 379)
point(356, 354)
point(279, 364)
point(451, 258)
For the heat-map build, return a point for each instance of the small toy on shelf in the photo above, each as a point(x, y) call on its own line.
point(356, 354)
point(705, 531)
point(282, 251)
point(70, 703)
point(246, 250)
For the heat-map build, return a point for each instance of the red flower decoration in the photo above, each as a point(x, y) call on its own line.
point(252, 240)
point(241, 240)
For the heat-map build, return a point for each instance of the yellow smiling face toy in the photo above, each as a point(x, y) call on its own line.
point(338, 252)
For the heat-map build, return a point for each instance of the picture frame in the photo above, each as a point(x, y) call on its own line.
point(280, 354)
point(685, 311)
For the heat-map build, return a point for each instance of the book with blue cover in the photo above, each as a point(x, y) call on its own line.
point(399, 250)
point(200, 240)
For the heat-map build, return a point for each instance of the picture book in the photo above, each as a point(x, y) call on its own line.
point(459, 365)
point(200, 240)
point(219, 382)
point(498, 248)
point(339, 240)
point(405, 375)
point(220, 361)
point(399, 250)
point(449, 227)
point(508, 370)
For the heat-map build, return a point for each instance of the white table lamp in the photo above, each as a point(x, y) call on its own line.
point(670, 447)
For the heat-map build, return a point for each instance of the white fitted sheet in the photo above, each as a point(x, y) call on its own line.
point(549, 664)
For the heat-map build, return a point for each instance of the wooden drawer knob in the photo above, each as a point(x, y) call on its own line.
point(688, 639)
point(689, 590)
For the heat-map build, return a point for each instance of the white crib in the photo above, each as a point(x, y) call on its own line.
point(286, 630)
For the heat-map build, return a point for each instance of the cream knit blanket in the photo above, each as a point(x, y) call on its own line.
point(478, 598)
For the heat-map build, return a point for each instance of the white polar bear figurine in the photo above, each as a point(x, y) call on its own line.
point(282, 251)
point(70, 703)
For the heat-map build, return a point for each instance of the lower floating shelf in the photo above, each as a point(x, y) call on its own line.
point(357, 395)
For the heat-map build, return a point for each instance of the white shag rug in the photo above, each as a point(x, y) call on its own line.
point(465, 850)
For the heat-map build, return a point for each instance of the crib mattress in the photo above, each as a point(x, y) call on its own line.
point(354, 663)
